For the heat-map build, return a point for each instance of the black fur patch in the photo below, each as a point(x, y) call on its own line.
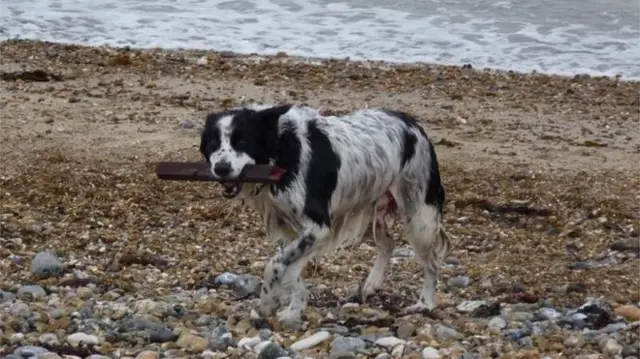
point(409, 147)
point(435, 191)
point(322, 177)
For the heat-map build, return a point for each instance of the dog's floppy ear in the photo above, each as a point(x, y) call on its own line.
point(267, 122)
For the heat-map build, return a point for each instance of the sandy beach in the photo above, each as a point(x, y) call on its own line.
point(542, 176)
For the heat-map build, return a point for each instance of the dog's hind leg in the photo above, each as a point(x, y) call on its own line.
point(423, 230)
point(384, 246)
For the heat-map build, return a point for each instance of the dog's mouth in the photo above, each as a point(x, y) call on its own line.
point(231, 188)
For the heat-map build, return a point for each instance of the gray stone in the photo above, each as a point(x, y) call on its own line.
point(347, 345)
point(497, 323)
point(443, 332)
point(187, 124)
point(49, 339)
point(31, 292)
point(156, 332)
point(470, 305)
point(525, 342)
point(46, 264)
point(615, 327)
point(6, 296)
point(28, 351)
point(573, 342)
point(220, 339)
point(459, 282)
point(272, 351)
point(549, 313)
point(226, 278)
point(246, 285)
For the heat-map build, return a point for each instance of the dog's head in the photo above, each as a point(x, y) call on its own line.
point(235, 138)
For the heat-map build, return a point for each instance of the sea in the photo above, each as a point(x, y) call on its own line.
point(566, 37)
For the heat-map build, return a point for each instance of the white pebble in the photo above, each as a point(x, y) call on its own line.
point(202, 61)
point(76, 339)
point(497, 323)
point(16, 338)
point(248, 343)
point(389, 342)
point(258, 348)
point(311, 341)
point(398, 351)
point(430, 353)
point(470, 305)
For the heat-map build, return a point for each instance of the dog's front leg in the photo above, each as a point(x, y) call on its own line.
point(284, 272)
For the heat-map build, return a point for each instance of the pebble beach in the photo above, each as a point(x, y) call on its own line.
point(100, 259)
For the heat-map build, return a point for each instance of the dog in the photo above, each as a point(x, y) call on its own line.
point(345, 175)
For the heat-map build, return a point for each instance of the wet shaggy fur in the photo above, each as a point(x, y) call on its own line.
point(345, 176)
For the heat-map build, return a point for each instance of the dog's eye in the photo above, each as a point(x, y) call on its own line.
point(237, 140)
point(214, 144)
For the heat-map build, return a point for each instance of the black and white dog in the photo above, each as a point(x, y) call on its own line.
point(344, 175)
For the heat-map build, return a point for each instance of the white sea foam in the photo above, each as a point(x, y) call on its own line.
point(496, 35)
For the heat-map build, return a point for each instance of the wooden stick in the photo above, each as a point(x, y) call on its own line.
point(201, 171)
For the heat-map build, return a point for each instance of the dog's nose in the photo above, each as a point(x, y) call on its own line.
point(222, 169)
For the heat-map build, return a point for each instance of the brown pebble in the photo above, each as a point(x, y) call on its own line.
point(192, 342)
point(629, 312)
point(148, 354)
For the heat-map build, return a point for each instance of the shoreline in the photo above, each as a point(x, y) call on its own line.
point(282, 56)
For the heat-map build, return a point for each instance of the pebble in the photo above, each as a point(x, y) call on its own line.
point(573, 342)
point(76, 339)
point(459, 282)
point(272, 351)
point(398, 350)
point(430, 353)
point(31, 292)
point(246, 285)
point(202, 61)
point(220, 339)
point(29, 351)
point(389, 342)
point(6, 296)
point(192, 342)
point(629, 312)
point(470, 305)
point(610, 347)
point(53, 356)
point(311, 341)
point(148, 354)
point(347, 345)
point(49, 339)
point(46, 264)
point(226, 278)
point(187, 124)
point(249, 342)
point(497, 323)
point(444, 332)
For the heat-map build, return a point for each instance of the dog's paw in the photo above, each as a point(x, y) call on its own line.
point(290, 318)
point(369, 290)
point(267, 306)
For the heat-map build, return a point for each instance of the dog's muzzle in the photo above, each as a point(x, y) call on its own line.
point(231, 189)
